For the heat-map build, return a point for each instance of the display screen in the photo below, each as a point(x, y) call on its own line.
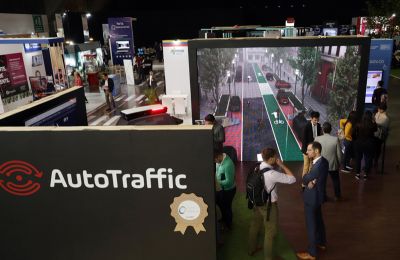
point(263, 96)
point(62, 115)
point(330, 31)
point(374, 76)
point(37, 60)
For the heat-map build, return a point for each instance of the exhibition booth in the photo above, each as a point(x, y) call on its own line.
point(259, 88)
point(84, 193)
point(30, 68)
point(87, 59)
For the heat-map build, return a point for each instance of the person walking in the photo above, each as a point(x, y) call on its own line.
point(314, 197)
point(333, 153)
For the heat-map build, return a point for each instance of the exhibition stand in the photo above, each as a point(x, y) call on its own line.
point(65, 108)
point(31, 68)
point(87, 59)
point(258, 90)
point(85, 193)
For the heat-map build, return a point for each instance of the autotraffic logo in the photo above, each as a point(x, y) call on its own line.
point(20, 178)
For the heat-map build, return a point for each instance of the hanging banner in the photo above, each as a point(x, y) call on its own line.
point(380, 60)
point(121, 39)
point(13, 79)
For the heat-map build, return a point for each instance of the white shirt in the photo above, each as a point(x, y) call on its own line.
point(105, 86)
point(316, 160)
point(314, 130)
point(273, 177)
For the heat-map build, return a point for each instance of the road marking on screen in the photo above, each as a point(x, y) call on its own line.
point(99, 120)
point(113, 120)
point(120, 98)
point(130, 98)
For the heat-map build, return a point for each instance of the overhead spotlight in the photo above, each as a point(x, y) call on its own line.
point(64, 14)
point(393, 15)
point(88, 15)
point(279, 6)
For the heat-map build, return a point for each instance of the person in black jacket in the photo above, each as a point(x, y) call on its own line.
point(218, 131)
point(364, 143)
point(379, 95)
point(311, 130)
point(108, 88)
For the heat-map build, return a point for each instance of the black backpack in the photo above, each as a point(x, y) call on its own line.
point(256, 194)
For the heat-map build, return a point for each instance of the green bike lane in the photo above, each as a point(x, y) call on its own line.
point(284, 138)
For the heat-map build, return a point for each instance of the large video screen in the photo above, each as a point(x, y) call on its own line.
point(264, 95)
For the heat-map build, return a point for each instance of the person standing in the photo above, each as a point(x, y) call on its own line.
point(380, 94)
point(382, 121)
point(314, 197)
point(271, 178)
point(78, 82)
point(108, 88)
point(77, 79)
point(218, 132)
point(347, 127)
point(333, 153)
point(225, 174)
point(311, 130)
point(364, 143)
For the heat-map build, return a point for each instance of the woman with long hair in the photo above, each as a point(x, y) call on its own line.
point(364, 143)
point(347, 125)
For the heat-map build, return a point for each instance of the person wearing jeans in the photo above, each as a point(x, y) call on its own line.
point(225, 174)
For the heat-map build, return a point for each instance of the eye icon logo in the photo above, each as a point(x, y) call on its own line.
point(20, 178)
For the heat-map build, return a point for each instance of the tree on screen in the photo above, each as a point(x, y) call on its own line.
point(213, 65)
point(307, 62)
point(344, 81)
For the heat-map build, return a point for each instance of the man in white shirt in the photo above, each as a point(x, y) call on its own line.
point(271, 178)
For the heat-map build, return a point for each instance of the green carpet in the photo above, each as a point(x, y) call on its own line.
point(395, 72)
point(235, 241)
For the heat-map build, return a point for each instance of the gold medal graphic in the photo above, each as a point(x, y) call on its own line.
point(189, 210)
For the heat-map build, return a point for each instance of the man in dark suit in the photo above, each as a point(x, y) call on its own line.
point(314, 196)
point(311, 130)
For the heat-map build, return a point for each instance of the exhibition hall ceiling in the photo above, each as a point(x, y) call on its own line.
point(309, 6)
